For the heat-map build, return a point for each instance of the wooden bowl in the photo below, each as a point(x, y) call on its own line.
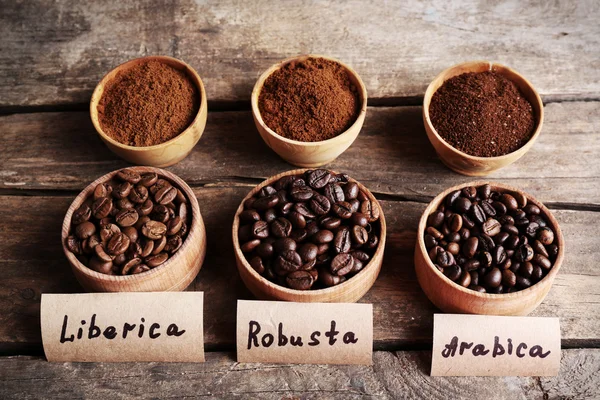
point(453, 298)
point(175, 274)
point(163, 154)
point(464, 163)
point(309, 154)
point(349, 291)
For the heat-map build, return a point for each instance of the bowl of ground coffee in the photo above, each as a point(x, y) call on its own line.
point(151, 110)
point(309, 109)
point(480, 117)
point(309, 236)
point(487, 248)
point(135, 229)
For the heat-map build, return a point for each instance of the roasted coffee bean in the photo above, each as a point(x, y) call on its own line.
point(531, 229)
point(139, 194)
point(288, 261)
point(257, 264)
point(488, 209)
point(159, 245)
point(370, 209)
point(281, 227)
point(453, 272)
point(249, 216)
point(154, 229)
point(360, 235)
point(164, 196)
point(304, 210)
point(148, 179)
point(73, 245)
point(478, 288)
point(509, 201)
point(301, 193)
point(522, 282)
point(156, 259)
point(124, 203)
point(145, 208)
point(270, 215)
point(509, 279)
point(545, 235)
point(486, 259)
point(453, 248)
point(470, 192)
point(455, 223)
point(436, 219)
point(451, 198)
point(334, 193)
point(465, 279)
point(372, 242)
point(260, 229)
point(462, 205)
point(474, 277)
point(499, 255)
point(485, 191)
point(342, 240)
point(264, 203)
point(250, 245)
point(319, 204)
point(532, 209)
point(478, 214)
point(542, 261)
point(491, 227)
point(538, 220)
point(128, 175)
point(524, 253)
point(126, 217)
point(323, 236)
point(102, 190)
point(284, 244)
point(308, 252)
point(355, 205)
point(343, 210)
point(102, 207)
point(430, 241)
point(445, 259)
point(500, 208)
point(318, 178)
point(101, 266)
point(330, 223)
point(121, 190)
point(486, 243)
point(472, 264)
point(85, 230)
point(501, 238)
point(351, 191)
point(118, 244)
point(552, 251)
point(328, 279)
point(82, 214)
point(342, 264)
point(299, 280)
point(267, 191)
point(453, 237)
point(468, 222)
point(493, 278)
point(298, 221)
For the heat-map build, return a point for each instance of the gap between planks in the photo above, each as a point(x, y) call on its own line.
point(244, 105)
point(250, 182)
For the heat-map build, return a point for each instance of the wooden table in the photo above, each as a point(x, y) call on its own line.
point(52, 54)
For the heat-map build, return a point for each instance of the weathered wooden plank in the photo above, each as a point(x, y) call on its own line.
point(32, 263)
point(55, 52)
point(392, 154)
point(399, 375)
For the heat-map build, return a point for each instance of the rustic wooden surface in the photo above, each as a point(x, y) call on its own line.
point(393, 375)
point(52, 54)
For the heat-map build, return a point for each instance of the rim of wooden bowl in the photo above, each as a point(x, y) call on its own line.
point(475, 66)
point(85, 193)
point(307, 293)
point(173, 62)
point(432, 206)
point(362, 93)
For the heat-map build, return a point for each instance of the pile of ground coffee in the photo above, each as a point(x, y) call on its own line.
point(148, 104)
point(482, 114)
point(309, 101)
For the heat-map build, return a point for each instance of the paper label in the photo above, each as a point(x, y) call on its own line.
point(482, 345)
point(114, 327)
point(304, 333)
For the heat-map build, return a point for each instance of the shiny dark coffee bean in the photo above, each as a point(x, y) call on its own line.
point(270, 215)
point(334, 193)
point(288, 261)
point(281, 227)
point(299, 280)
point(451, 198)
point(331, 223)
point(257, 264)
point(478, 214)
point(524, 253)
point(319, 204)
point(470, 192)
point(260, 229)
point(304, 210)
point(82, 214)
point(308, 252)
point(545, 236)
point(493, 278)
point(351, 191)
point(342, 240)
point(485, 191)
point(342, 264)
point(284, 244)
point(488, 209)
point(360, 235)
point(436, 219)
point(343, 210)
point(542, 261)
point(118, 244)
point(318, 178)
point(249, 216)
point(301, 193)
point(322, 236)
point(453, 272)
point(264, 203)
point(372, 242)
point(85, 230)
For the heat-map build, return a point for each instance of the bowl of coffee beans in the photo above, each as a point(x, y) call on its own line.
point(150, 110)
point(309, 236)
point(309, 109)
point(135, 229)
point(481, 116)
point(487, 248)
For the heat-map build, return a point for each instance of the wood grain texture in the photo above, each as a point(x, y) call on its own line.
point(391, 155)
point(56, 52)
point(32, 263)
point(398, 375)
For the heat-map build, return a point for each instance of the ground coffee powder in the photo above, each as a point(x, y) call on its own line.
point(148, 104)
point(482, 114)
point(309, 101)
